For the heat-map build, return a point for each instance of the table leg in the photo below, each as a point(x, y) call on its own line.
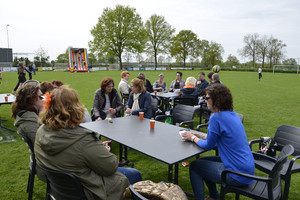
point(173, 178)
point(123, 160)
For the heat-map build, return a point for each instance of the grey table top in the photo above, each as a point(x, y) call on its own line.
point(165, 94)
point(162, 143)
point(11, 98)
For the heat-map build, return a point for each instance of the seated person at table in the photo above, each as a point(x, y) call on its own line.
point(139, 99)
point(148, 85)
point(189, 90)
point(225, 130)
point(216, 79)
point(107, 102)
point(209, 76)
point(178, 83)
point(61, 144)
point(124, 88)
point(25, 110)
point(202, 84)
point(160, 85)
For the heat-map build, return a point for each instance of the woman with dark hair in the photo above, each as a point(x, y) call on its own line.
point(139, 99)
point(148, 85)
point(57, 83)
point(25, 110)
point(46, 87)
point(225, 130)
point(107, 102)
point(178, 83)
point(61, 144)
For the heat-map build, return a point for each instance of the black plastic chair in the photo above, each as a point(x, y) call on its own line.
point(262, 187)
point(135, 195)
point(184, 100)
point(182, 115)
point(154, 105)
point(63, 185)
point(32, 166)
point(284, 135)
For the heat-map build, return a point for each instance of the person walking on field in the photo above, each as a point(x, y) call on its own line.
point(259, 73)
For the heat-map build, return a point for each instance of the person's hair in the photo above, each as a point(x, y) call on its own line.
point(190, 81)
point(215, 77)
point(179, 73)
point(25, 99)
point(57, 82)
point(203, 74)
point(142, 74)
point(65, 110)
point(221, 97)
point(139, 84)
point(106, 82)
point(209, 75)
point(161, 74)
point(46, 87)
point(21, 63)
point(31, 82)
point(124, 73)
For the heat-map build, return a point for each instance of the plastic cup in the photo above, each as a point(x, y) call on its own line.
point(6, 98)
point(110, 110)
point(155, 92)
point(178, 92)
point(141, 115)
point(152, 123)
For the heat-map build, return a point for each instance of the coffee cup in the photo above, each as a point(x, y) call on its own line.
point(155, 92)
point(110, 110)
point(141, 115)
point(152, 123)
point(6, 98)
point(178, 92)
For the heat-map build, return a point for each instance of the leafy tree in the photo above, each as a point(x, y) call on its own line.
point(185, 44)
point(41, 59)
point(204, 52)
point(91, 59)
point(276, 51)
point(139, 58)
point(118, 30)
point(290, 61)
point(64, 57)
point(232, 61)
point(262, 48)
point(251, 47)
point(213, 53)
point(158, 34)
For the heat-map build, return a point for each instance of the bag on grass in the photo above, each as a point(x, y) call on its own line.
point(268, 146)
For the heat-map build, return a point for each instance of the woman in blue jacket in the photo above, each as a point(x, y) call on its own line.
point(225, 130)
point(139, 99)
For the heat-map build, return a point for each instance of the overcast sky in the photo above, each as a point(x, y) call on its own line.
point(56, 24)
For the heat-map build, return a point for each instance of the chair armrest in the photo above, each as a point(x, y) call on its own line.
point(186, 122)
point(251, 142)
point(254, 177)
point(258, 156)
point(162, 117)
point(201, 126)
point(292, 163)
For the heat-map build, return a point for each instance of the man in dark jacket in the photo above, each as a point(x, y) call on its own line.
point(201, 83)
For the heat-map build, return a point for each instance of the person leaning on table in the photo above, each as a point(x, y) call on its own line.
point(61, 144)
point(139, 99)
point(225, 130)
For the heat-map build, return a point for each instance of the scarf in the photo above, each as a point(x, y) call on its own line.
point(136, 105)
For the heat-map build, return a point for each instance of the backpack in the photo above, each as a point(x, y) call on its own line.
point(268, 146)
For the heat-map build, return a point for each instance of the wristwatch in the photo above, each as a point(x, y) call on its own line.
point(193, 137)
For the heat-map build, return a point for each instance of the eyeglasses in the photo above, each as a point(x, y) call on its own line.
point(207, 98)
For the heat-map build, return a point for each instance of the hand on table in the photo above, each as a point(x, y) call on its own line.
point(128, 111)
point(99, 119)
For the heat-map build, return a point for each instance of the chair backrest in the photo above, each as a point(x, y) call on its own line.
point(184, 100)
point(135, 194)
point(286, 134)
point(125, 98)
point(30, 146)
point(63, 185)
point(183, 113)
point(287, 150)
point(154, 105)
point(241, 116)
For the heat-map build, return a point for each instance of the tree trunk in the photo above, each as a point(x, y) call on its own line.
point(155, 59)
point(120, 61)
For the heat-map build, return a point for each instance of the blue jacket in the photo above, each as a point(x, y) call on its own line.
point(144, 103)
point(226, 130)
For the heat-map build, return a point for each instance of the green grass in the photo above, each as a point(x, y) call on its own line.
point(265, 105)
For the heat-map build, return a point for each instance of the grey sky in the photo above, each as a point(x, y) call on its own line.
point(54, 25)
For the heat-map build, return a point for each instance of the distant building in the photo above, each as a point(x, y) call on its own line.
point(6, 57)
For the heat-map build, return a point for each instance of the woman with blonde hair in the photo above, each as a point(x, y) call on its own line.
point(139, 99)
point(189, 90)
point(61, 144)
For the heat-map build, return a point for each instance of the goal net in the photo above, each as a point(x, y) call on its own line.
point(286, 68)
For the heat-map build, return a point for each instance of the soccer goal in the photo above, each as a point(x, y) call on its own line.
point(291, 68)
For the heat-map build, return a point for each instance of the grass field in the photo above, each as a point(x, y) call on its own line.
point(265, 105)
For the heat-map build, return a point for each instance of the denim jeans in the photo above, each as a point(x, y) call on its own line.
point(133, 175)
point(208, 169)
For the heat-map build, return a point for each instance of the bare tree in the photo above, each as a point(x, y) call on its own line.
point(263, 47)
point(276, 51)
point(251, 47)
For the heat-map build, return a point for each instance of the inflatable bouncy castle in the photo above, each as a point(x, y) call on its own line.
point(78, 60)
